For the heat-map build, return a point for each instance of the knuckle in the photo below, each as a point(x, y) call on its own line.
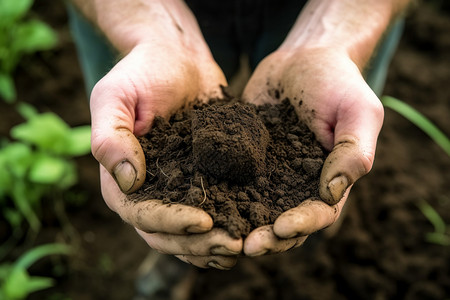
point(377, 108)
point(100, 146)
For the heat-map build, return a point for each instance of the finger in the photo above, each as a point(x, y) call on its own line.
point(253, 92)
point(113, 142)
point(218, 262)
point(263, 241)
point(355, 138)
point(153, 215)
point(214, 242)
point(310, 216)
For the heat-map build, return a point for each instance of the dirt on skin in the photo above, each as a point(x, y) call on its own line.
point(379, 252)
point(243, 164)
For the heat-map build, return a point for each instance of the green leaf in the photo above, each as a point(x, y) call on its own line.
point(5, 269)
point(433, 216)
point(19, 284)
point(47, 131)
point(15, 283)
point(11, 10)
point(27, 111)
point(33, 36)
point(438, 238)
point(7, 88)
point(6, 180)
point(56, 171)
point(47, 169)
point(15, 161)
point(419, 120)
point(70, 176)
point(37, 283)
point(79, 141)
point(16, 158)
point(33, 255)
point(22, 202)
point(13, 216)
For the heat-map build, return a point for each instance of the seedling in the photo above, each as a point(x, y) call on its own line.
point(19, 36)
point(440, 235)
point(16, 283)
point(39, 161)
point(419, 120)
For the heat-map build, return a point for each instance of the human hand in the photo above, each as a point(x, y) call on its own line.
point(152, 80)
point(176, 229)
point(329, 93)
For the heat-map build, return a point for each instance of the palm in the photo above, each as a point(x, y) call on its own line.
point(124, 104)
point(330, 95)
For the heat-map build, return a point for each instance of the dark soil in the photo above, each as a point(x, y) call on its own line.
point(379, 252)
point(242, 164)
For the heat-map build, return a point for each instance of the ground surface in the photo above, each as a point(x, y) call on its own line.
point(379, 252)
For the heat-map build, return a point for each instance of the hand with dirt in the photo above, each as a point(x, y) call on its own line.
point(166, 64)
point(318, 68)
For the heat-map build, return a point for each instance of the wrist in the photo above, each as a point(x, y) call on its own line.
point(352, 28)
point(127, 24)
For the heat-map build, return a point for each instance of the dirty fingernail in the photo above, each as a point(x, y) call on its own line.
point(260, 253)
point(337, 187)
point(183, 259)
point(221, 250)
point(196, 229)
point(214, 264)
point(125, 175)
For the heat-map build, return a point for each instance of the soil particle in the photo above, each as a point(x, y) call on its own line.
point(312, 166)
point(243, 164)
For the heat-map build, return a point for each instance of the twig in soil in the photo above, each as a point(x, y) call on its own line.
point(204, 192)
point(150, 187)
point(161, 168)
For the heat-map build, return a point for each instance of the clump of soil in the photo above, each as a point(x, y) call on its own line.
point(229, 142)
point(242, 164)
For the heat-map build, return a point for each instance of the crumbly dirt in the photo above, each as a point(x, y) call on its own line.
point(243, 164)
point(379, 252)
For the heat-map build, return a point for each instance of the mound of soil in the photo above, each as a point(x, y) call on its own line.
point(243, 164)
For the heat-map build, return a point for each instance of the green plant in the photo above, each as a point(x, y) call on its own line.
point(440, 235)
point(38, 162)
point(16, 283)
point(419, 120)
point(19, 36)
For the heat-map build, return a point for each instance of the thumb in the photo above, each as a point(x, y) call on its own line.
point(113, 142)
point(357, 127)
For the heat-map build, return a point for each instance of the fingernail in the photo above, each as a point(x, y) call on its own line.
point(125, 175)
point(196, 229)
point(221, 250)
point(337, 187)
point(214, 264)
point(260, 253)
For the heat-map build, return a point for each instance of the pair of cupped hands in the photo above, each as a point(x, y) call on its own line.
point(337, 104)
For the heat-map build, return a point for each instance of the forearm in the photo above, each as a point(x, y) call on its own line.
point(352, 26)
point(127, 23)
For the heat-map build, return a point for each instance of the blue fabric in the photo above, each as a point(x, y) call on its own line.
point(378, 68)
point(95, 55)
